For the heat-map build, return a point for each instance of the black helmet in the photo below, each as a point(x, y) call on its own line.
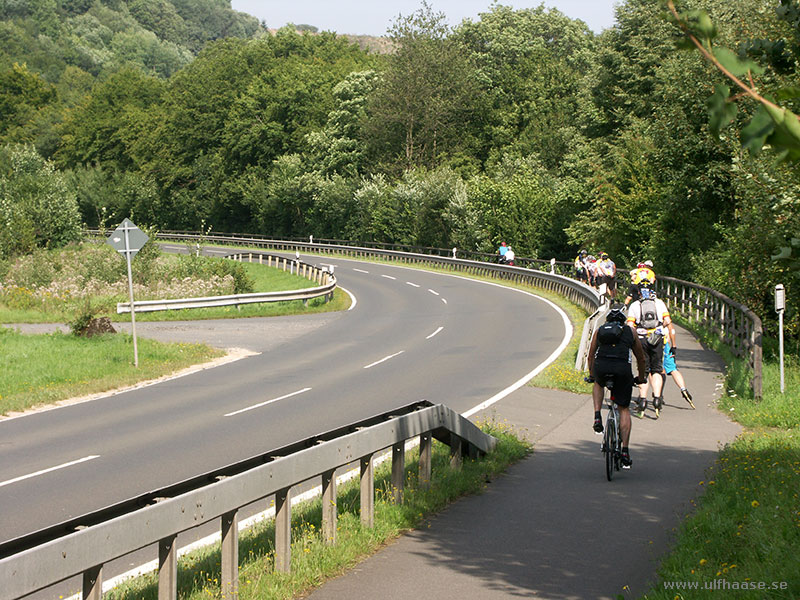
point(616, 315)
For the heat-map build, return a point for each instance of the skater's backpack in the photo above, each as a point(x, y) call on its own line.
point(649, 313)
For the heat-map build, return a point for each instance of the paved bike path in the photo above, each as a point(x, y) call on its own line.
point(552, 526)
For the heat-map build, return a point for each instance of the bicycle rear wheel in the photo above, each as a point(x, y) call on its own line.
point(609, 448)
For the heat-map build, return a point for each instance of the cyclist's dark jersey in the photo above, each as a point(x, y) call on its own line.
point(616, 360)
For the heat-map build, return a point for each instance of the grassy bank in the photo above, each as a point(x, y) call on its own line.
point(16, 309)
point(743, 537)
point(42, 369)
point(312, 560)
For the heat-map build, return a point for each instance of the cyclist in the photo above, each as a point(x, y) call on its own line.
point(648, 316)
point(610, 355)
point(501, 253)
point(509, 256)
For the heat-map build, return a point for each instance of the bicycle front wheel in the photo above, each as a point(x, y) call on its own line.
point(609, 447)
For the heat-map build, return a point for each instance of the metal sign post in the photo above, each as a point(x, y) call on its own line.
point(128, 239)
point(780, 307)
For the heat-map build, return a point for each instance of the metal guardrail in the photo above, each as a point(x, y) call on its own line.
point(737, 326)
point(559, 266)
point(325, 278)
point(86, 551)
point(574, 290)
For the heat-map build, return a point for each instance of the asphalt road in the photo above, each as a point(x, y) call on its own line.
point(412, 335)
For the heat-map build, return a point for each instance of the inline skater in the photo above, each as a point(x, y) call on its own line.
point(648, 316)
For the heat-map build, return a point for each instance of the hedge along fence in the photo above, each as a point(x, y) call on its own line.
point(737, 326)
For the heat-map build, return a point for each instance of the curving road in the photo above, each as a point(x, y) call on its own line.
point(411, 335)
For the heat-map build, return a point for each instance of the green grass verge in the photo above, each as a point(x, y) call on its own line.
point(742, 539)
point(746, 529)
point(266, 279)
point(42, 369)
point(312, 560)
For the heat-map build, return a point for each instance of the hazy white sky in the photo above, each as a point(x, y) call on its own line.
point(373, 17)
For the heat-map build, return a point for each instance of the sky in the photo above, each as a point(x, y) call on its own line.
point(374, 17)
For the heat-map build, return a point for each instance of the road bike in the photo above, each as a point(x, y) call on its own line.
point(612, 440)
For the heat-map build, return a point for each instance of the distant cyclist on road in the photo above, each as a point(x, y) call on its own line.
point(610, 355)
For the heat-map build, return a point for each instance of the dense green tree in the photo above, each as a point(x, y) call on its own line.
point(160, 17)
point(385, 216)
point(532, 63)
point(105, 197)
point(100, 130)
point(515, 205)
point(338, 148)
point(37, 208)
point(426, 94)
point(145, 50)
point(22, 94)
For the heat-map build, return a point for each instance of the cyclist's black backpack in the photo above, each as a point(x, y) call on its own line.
point(609, 341)
point(649, 319)
point(609, 334)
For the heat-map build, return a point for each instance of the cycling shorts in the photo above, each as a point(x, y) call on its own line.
point(623, 379)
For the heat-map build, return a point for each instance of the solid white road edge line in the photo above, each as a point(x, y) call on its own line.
point(260, 404)
point(526, 378)
point(353, 300)
point(384, 359)
point(50, 470)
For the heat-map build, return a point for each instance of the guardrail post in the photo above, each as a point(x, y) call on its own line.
point(425, 455)
point(398, 471)
point(455, 451)
point(329, 513)
point(367, 492)
point(168, 569)
point(283, 530)
point(229, 577)
point(93, 583)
